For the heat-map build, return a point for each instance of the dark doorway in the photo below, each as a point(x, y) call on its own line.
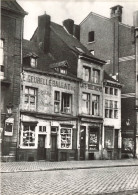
point(82, 142)
point(53, 147)
point(116, 139)
point(41, 147)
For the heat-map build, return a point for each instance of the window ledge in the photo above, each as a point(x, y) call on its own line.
point(91, 42)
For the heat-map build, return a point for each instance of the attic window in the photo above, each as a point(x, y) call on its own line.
point(91, 36)
point(79, 49)
point(62, 70)
point(33, 62)
point(92, 52)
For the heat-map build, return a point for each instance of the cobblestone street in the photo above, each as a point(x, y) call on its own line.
point(72, 182)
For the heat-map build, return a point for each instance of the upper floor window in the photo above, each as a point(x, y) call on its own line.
point(33, 62)
point(95, 76)
point(66, 102)
point(63, 70)
point(91, 36)
point(57, 101)
point(95, 105)
point(1, 55)
point(111, 109)
point(30, 98)
point(106, 90)
point(111, 91)
point(115, 91)
point(86, 73)
point(86, 103)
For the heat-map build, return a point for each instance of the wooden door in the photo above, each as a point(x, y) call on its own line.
point(41, 147)
point(82, 142)
point(53, 147)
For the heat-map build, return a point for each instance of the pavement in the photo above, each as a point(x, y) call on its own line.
point(11, 167)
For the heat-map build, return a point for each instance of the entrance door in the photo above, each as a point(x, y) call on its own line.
point(82, 142)
point(41, 147)
point(116, 155)
point(53, 147)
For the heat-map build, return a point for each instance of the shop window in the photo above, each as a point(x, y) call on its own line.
point(57, 102)
point(42, 128)
point(91, 36)
point(95, 76)
point(86, 103)
point(66, 138)
point(109, 137)
point(66, 103)
point(93, 139)
point(106, 90)
point(86, 73)
point(116, 92)
point(28, 135)
point(30, 98)
point(33, 62)
point(95, 105)
point(1, 57)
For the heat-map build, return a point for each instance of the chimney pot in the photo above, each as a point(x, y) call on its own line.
point(69, 25)
point(116, 11)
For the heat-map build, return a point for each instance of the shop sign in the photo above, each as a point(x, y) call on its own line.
point(50, 82)
point(91, 87)
point(9, 126)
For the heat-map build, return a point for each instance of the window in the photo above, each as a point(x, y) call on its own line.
point(28, 135)
point(111, 109)
point(66, 102)
point(33, 62)
point(30, 98)
point(93, 139)
point(95, 76)
point(108, 137)
point(86, 74)
point(66, 138)
point(111, 91)
point(57, 101)
point(91, 36)
point(106, 90)
point(95, 105)
point(42, 128)
point(63, 70)
point(116, 92)
point(2, 56)
point(85, 103)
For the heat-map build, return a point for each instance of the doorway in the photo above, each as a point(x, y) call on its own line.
point(53, 147)
point(82, 142)
point(41, 153)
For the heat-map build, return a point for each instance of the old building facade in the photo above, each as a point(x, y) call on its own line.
point(12, 16)
point(114, 42)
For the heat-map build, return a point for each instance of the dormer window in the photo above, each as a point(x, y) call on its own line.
point(33, 62)
point(63, 70)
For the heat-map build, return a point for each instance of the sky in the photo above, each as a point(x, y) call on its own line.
point(77, 10)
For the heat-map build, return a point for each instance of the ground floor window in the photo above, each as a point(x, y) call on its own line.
point(28, 135)
point(93, 138)
point(66, 138)
point(109, 135)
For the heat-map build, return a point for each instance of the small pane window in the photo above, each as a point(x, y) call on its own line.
point(28, 136)
point(95, 76)
point(66, 138)
point(66, 102)
point(30, 98)
point(63, 70)
point(95, 105)
point(85, 103)
point(116, 91)
point(91, 36)
point(111, 91)
point(33, 62)
point(86, 73)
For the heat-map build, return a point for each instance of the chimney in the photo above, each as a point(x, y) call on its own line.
point(116, 11)
point(43, 34)
point(135, 18)
point(76, 31)
point(69, 25)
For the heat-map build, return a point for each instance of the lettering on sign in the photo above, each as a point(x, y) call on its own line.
point(50, 82)
point(91, 87)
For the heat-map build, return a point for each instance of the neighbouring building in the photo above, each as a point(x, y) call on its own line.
point(112, 118)
point(111, 40)
point(12, 16)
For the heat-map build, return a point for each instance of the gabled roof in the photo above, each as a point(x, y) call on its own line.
point(109, 78)
point(13, 6)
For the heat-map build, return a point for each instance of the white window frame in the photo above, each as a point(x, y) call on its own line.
point(33, 62)
point(30, 131)
point(66, 105)
point(56, 101)
point(28, 96)
point(64, 143)
point(86, 102)
point(95, 103)
point(96, 76)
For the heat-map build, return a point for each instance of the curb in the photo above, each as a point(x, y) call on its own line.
point(63, 169)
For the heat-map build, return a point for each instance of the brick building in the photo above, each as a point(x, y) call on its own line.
point(12, 16)
point(111, 40)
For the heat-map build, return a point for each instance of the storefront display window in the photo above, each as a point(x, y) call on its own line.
point(108, 137)
point(66, 138)
point(94, 139)
point(28, 135)
point(128, 144)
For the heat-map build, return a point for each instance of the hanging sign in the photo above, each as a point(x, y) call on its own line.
point(9, 127)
